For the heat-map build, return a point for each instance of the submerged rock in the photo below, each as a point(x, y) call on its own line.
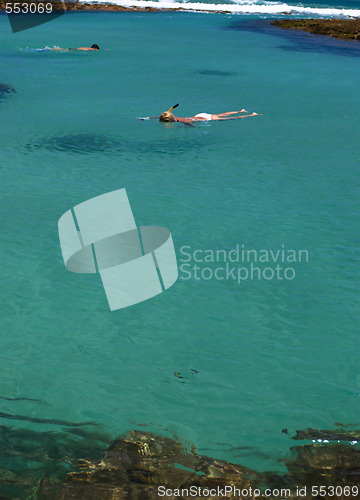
point(75, 464)
point(330, 435)
point(135, 466)
point(347, 29)
point(328, 465)
point(30, 458)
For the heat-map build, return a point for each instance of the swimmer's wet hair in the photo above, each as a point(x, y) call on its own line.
point(166, 117)
point(95, 46)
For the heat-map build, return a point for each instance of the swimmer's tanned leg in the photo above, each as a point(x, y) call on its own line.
point(231, 113)
point(238, 117)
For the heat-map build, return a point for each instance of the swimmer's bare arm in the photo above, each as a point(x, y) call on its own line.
point(188, 121)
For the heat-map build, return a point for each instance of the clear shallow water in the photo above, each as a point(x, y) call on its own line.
point(270, 354)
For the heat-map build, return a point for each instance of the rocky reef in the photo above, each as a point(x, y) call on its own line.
point(104, 6)
point(61, 7)
point(134, 467)
point(347, 29)
point(28, 458)
point(84, 465)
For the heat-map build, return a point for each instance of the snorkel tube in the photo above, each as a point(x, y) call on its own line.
point(159, 117)
point(173, 107)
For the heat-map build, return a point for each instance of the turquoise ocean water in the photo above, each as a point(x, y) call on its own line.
point(269, 354)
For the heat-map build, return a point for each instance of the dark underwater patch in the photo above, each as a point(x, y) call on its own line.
point(10, 416)
point(21, 399)
point(6, 89)
point(77, 143)
point(85, 144)
point(213, 72)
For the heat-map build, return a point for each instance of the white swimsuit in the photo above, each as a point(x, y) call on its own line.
point(207, 116)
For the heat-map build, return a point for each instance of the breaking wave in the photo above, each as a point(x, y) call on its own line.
point(241, 7)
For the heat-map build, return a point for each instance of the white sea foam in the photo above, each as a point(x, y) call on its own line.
point(242, 7)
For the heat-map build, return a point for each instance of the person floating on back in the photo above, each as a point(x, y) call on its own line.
point(168, 116)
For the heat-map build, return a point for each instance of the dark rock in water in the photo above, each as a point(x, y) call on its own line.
point(6, 89)
point(211, 72)
point(328, 465)
point(347, 29)
point(297, 40)
point(74, 465)
point(29, 458)
point(332, 435)
point(135, 466)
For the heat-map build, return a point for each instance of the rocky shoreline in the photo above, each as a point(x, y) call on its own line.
point(346, 29)
point(83, 463)
point(110, 7)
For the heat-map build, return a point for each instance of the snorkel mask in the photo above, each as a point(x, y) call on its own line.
point(167, 116)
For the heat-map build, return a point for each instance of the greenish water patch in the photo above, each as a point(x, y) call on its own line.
point(270, 354)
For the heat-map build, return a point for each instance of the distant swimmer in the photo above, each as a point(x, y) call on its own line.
point(6, 89)
point(93, 47)
point(168, 116)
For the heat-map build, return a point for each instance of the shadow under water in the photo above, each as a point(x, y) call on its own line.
point(35, 420)
point(77, 143)
point(80, 464)
point(85, 144)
